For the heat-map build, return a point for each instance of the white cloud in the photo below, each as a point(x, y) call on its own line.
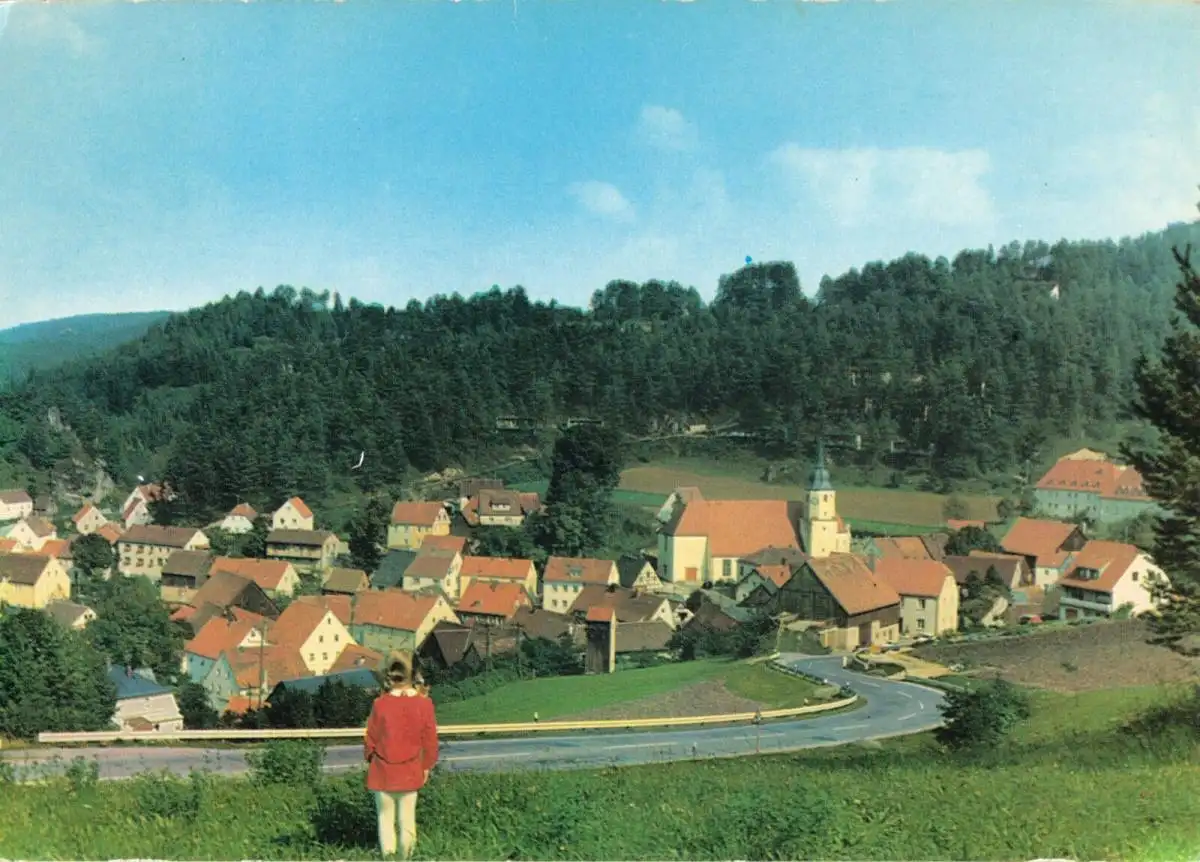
point(666, 129)
point(1132, 180)
point(52, 26)
point(602, 199)
point(866, 186)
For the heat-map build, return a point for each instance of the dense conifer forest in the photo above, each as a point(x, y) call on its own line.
point(971, 359)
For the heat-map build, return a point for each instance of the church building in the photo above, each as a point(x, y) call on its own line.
point(708, 540)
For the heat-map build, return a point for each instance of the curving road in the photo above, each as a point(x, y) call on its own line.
point(892, 709)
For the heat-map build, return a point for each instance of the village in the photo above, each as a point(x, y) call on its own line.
point(718, 565)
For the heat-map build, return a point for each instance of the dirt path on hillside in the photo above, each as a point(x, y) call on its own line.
point(703, 698)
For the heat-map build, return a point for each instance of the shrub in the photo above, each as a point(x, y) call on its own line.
point(810, 826)
point(293, 761)
point(82, 774)
point(344, 812)
point(168, 797)
point(978, 718)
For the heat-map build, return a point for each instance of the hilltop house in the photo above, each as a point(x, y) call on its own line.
point(15, 503)
point(1106, 576)
point(32, 580)
point(1087, 484)
point(294, 514)
point(276, 577)
point(564, 577)
point(70, 615)
point(136, 508)
point(88, 520)
point(222, 592)
point(308, 550)
point(412, 522)
point(491, 603)
point(499, 507)
point(143, 548)
point(928, 594)
point(851, 605)
point(182, 574)
point(705, 540)
point(242, 516)
point(498, 570)
point(1046, 546)
point(31, 533)
point(143, 704)
point(231, 630)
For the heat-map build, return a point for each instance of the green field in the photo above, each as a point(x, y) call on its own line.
point(1068, 785)
point(552, 697)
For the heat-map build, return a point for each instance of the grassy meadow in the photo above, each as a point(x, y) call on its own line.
point(1071, 783)
point(553, 697)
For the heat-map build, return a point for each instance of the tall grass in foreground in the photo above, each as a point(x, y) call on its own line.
point(1079, 780)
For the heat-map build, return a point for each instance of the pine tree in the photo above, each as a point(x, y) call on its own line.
point(1169, 398)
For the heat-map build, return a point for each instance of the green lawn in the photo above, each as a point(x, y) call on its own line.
point(620, 495)
point(559, 696)
point(1068, 784)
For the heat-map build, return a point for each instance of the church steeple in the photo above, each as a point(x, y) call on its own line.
point(819, 479)
point(822, 530)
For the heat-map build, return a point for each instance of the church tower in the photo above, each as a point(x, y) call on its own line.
point(822, 531)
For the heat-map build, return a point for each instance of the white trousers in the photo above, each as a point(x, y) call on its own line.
point(397, 809)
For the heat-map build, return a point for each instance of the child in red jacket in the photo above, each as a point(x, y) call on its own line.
point(400, 748)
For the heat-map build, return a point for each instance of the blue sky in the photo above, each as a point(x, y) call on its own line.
point(161, 154)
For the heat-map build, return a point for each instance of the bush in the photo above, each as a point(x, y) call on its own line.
point(82, 775)
point(344, 812)
point(165, 796)
point(980, 717)
point(296, 762)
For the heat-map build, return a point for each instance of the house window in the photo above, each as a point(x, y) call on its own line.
point(727, 568)
point(336, 638)
point(920, 624)
point(921, 604)
point(312, 656)
point(1135, 577)
point(320, 639)
point(324, 656)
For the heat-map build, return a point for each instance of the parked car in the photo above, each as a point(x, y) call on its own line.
point(921, 640)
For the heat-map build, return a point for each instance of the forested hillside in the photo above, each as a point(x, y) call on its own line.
point(272, 393)
point(48, 343)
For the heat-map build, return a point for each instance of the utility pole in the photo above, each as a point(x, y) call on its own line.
point(262, 670)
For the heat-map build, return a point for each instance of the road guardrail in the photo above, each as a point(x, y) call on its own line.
point(445, 730)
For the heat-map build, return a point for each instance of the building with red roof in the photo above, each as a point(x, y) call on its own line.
point(1087, 484)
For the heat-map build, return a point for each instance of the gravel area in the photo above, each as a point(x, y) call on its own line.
point(704, 698)
point(1084, 658)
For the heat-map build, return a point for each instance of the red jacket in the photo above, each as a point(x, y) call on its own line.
point(401, 743)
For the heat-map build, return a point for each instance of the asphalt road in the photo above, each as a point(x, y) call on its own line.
point(892, 709)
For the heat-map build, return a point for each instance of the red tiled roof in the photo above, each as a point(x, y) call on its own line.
point(448, 544)
point(56, 548)
point(736, 528)
point(600, 614)
point(776, 573)
point(908, 577)
point(497, 600)
point(581, 570)
point(340, 605)
point(1094, 477)
point(82, 513)
point(495, 567)
point(354, 656)
point(296, 624)
point(276, 663)
point(1111, 559)
point(1043, 539)
point(852, 584)
point(300, 506)
point(219, 634)
point(239, 705)
point(268, 574)
point(245, 510)
point(392, 609)
point(429, 565)
point(110, 531)
point(903, 547)
point(40, 527)
point(15, 496)
point(8, 546)
point(423, 514)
